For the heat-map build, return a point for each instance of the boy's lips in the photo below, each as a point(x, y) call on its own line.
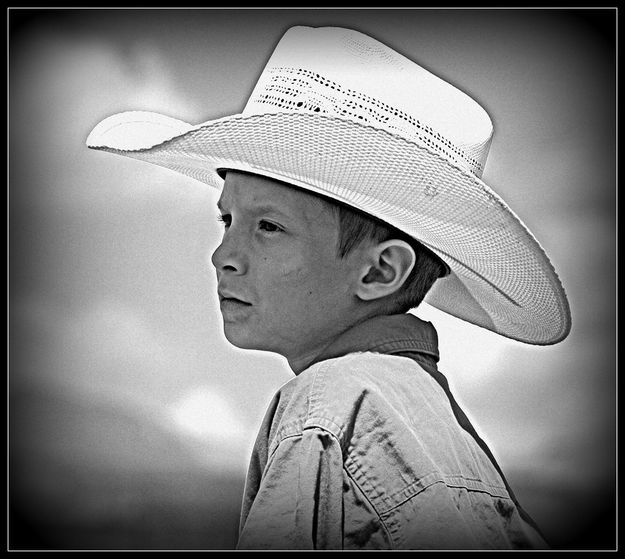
point(233, 309)
point(224, 296)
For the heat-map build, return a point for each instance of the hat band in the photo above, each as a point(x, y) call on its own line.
point(296, 89)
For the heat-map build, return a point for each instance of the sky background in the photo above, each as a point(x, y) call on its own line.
point(131, 418)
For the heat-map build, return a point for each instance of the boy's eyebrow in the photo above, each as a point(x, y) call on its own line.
point(261, 208)
point(266, 208)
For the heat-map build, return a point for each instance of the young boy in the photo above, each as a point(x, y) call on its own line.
point(351, 191)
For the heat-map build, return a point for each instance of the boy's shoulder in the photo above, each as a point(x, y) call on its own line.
point(336, 393)
point(349, 374)
point(357, 371)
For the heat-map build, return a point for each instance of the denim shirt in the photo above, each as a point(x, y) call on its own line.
point(366, 449)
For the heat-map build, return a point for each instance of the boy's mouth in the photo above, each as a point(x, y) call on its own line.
point(231, 299)
point(233, 308)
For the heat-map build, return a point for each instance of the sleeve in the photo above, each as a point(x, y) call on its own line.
point(299, 503)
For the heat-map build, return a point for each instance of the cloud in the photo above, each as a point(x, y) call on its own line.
point(206, 419)
point(467, 351)
point(109, 354)
point(204, 414)
point(66, 83)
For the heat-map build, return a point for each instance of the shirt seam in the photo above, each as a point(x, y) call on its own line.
point(375, 509)
point(449, 481)
point(404, 344)
point(300, 434)
point(299, 429)
point(315, 386)
point(312, 393)
point(315, 415)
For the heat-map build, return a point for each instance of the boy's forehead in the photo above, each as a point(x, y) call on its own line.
point(254, 191)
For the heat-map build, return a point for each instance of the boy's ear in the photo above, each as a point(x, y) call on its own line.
point(388, 264)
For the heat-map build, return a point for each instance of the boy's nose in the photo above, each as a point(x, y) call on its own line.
point(228, 257)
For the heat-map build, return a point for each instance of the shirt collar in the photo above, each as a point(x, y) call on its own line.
point(398, 333)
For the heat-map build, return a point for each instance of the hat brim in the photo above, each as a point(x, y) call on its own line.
point(500, 279)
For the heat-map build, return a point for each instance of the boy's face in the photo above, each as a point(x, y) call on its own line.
point(282, 287)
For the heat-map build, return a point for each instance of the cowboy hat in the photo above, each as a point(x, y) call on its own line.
point(342, 115)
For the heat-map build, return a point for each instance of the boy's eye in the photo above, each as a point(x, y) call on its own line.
point(225, 219)
point(269, 227)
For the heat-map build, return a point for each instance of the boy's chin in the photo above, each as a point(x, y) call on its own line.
point(243, 339)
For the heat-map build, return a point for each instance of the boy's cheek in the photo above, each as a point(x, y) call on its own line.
point(290, 272)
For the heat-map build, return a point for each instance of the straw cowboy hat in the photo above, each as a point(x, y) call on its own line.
point(340, 114)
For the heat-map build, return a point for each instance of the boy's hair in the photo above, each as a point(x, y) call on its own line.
point(356, 227)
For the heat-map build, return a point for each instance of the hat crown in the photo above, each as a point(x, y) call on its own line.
point(343, 73)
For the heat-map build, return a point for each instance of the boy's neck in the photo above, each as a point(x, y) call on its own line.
point(301, 362)
point(387, 334)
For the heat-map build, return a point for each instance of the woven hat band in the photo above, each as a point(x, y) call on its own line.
point(309, 71)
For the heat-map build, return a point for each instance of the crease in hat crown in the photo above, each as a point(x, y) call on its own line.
point(345, 74)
